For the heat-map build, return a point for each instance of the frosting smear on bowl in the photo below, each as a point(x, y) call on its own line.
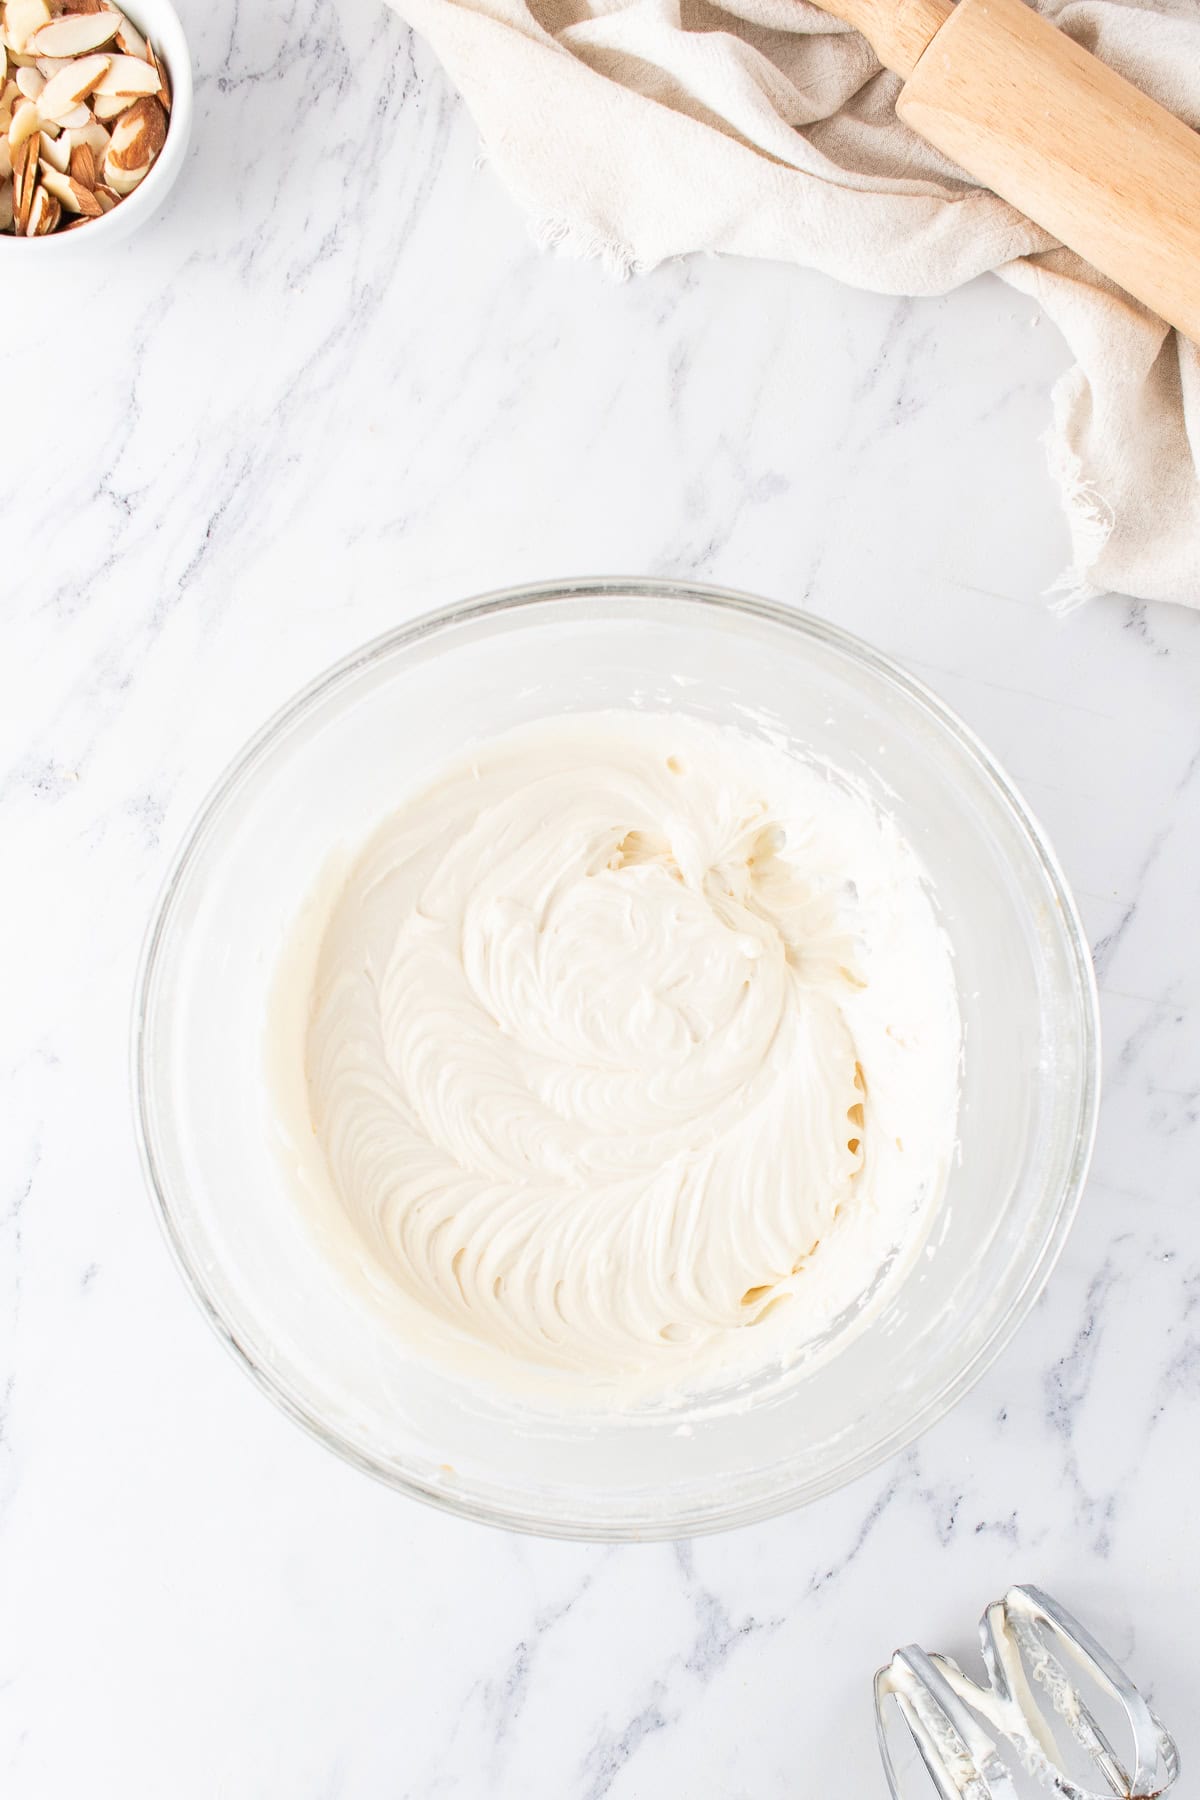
point(632, 1053)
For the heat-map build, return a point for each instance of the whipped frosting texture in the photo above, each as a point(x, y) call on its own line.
point(632, 1051)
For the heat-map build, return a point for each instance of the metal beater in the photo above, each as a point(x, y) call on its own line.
point(1028, 1641)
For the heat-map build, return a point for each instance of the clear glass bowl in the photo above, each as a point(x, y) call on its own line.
point(335, 761)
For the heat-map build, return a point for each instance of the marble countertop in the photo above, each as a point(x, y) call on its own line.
point(332, 386)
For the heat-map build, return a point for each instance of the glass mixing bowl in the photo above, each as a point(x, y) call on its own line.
point(333, 763)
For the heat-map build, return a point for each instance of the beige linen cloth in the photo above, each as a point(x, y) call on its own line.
point(635, 130)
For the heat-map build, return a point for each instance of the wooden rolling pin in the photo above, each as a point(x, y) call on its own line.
point(1055, 132)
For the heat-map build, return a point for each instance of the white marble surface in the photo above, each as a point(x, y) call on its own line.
point(332, 386)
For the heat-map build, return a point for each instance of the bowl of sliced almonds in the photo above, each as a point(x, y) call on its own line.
point(95, 115)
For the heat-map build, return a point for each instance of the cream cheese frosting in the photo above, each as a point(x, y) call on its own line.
point(632, 1051)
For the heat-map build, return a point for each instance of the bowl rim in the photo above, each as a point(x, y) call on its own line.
point(696, 1520)
point(137, 207)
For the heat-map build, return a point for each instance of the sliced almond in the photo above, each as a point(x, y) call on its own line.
point(164, 79)
point(123, 181)
point(82, 165)
point(110, 106)
point(44, 212)
point(19, 155)
point(55, 151)
point(78, 6)
point(106, 196)
point(25, 167)
point(93, 135)
point(51, 65)
point(6, 205)
point(26, 121)
point(5, 160)
point(21, 19)
point(31, 81)
point(3, 63)
point(130, 41)
point(75, 120)
point(75, 34)
point(86, 201)
point(56, 183)
point(128, 75)
point(73, 84)
point(70, 194)
point(139, 134)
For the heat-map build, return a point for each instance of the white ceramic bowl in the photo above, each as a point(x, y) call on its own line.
point(333, 763)
point(158, 21)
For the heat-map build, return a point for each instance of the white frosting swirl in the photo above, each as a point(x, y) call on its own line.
point(625, 1032)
